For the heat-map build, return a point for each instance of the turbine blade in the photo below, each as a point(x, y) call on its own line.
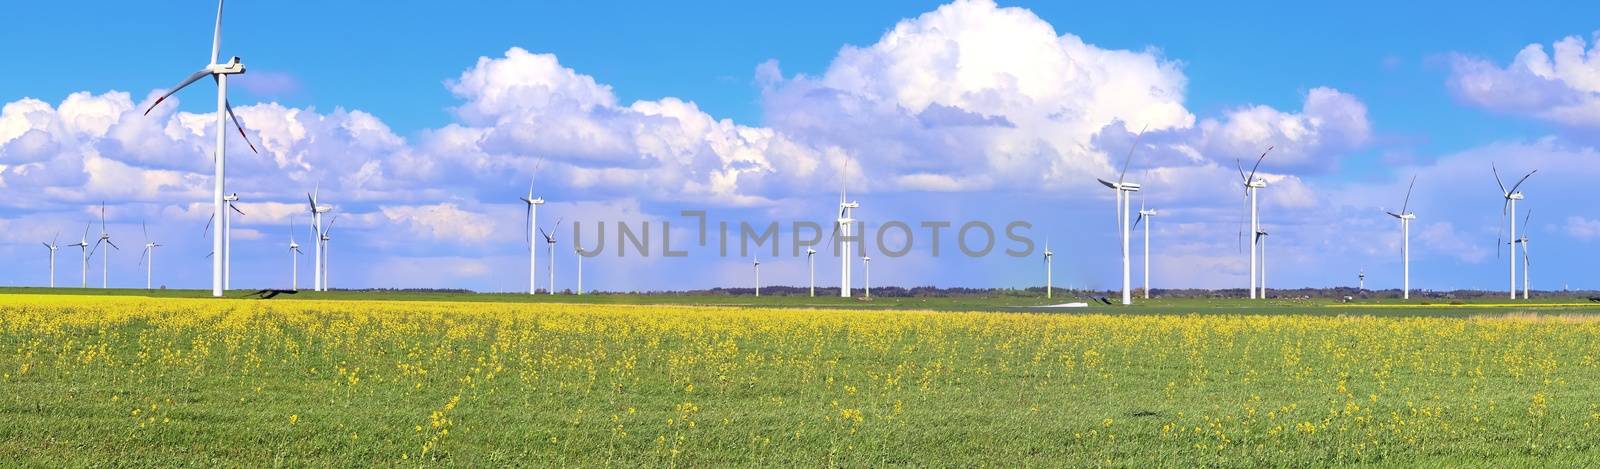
point(1407, 202)
point(207, 232)
point(235, 208)
point(216, 34)
point(186, 82)
point(142, 255)
point(1240, 165)
point(113, 245)
point(145, 229)
point(1258, 165)
point(1392, 214)
point(330, 225)
point(1106, 183)
point(1126, 160)
point(1520, 181)
point(239, 126)
point(1525, 222)
point(1497, 182)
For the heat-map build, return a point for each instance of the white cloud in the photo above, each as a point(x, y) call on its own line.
point(1560, 86)
point(1582, 228)
point(444, 222)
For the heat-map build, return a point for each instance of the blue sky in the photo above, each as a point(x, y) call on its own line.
point(376, 104)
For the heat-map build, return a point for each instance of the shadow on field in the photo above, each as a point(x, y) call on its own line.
point(270, 293)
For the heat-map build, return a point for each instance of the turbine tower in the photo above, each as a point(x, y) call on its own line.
point(322, 242)
point(294, 259)
point(841, 231)
point(811, 270)
point(227, 240)
point(1405, 236)
point(755, 263)
point(1144, 214)
point(866, 266)
point(1049, 278)
point(550, 246)
point(579, 251)
point(1261, 244)
point(317, 239)
point(1361, 279)
point(83, 247)
point(149, 254)
point(52, 247)
point(218, 72)
point(105, 238)
point(1509, 211)
point(533, 218)
point(1125, 192)
point(1526, 263)
point(1252, 184)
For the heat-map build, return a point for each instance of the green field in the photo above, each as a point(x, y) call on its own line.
point(341, 380)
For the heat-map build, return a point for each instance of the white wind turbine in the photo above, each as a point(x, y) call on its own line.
point(227, 240)
point(1405, 235)
point(533, 218)
point(756, 264)
point(811, 270)
point(218, 72)
point(1252, 184)
point(294, 259)
point(1049, 274)
point(1124, 193)
point(866, 266)
point(105, 238)
point(52, 247)
point(148, 257)
point(317, 239)
point(1361, 279)
point(1509, 210)
point(550, 249)
point(579, 251)
point(322, 241)
point(1525, 261)
point(1261, 245)
point(841, 231)
point(83, 246)
point(1144, 214)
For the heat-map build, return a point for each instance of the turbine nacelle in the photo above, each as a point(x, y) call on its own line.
point(232, 67)
point(1514, 196)
point(1122, 186)
point(1257, 183)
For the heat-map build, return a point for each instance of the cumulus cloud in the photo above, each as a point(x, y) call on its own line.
point(1582, 228)
point(973, 97)
point(1561, 85)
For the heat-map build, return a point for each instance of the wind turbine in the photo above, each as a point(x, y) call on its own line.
point(227, 240)
point(579, 251)
point(218, 72)
point(1361, 278)
point(866, 265)
point(52, 247)
point(294, 260)
point(811, 270)
point(105, 262)
point(756, 263)
point(1509, 210)
point(1261, 244)
point(322, 240)
point(1525, 262)
point(83, 245)
point(317, 263)
point(1252, 184)
point(1405, 235)
point(550, 246)
point(1143, 214)
point(149, 254)
point(1049, 278)
point(1122, 187)
point(841, 231)
point(533, 218)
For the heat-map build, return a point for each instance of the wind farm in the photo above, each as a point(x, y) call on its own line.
point(694, 171)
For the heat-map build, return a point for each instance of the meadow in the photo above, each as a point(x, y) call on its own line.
point(89, 380)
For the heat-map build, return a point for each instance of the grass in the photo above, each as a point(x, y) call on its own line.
point(92, 380)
